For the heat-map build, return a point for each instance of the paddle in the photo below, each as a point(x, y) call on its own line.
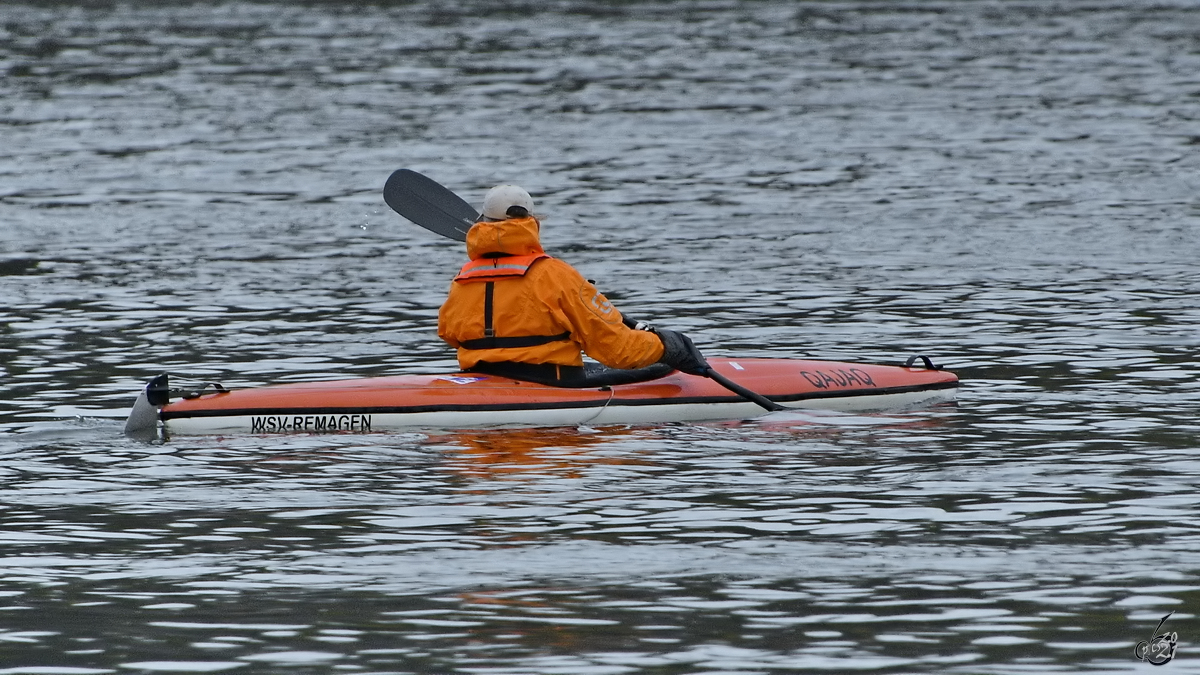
point(431, 205)
point(427, 203)
point(763, 401)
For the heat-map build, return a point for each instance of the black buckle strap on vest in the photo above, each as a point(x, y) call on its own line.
point(489, 293)
point(513, 342)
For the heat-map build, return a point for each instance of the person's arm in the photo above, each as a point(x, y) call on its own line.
point(595, 323)
point(443, 328)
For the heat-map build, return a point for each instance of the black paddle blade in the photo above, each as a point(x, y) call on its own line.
point(428, 204)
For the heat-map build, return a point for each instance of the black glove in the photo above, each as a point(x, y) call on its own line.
point(680, 353)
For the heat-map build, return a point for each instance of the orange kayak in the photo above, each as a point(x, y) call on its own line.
point(456, 400)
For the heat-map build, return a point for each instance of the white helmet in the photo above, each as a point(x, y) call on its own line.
point(499, 199)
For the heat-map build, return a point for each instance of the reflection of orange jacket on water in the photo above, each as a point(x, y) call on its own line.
point(542, 310)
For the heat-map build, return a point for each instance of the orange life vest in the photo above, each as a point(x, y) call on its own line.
point(489, 270)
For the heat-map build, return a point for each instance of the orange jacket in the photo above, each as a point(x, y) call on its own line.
point(534, 296)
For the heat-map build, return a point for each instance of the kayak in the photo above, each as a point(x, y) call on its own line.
point(455, 400)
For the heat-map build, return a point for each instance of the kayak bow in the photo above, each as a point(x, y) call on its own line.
point(471, 399)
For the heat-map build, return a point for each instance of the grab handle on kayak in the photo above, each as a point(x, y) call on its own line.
point(924, 359)
point(197, 393)
point(159, 391)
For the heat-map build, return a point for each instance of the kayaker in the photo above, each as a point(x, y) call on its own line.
point(515, 311)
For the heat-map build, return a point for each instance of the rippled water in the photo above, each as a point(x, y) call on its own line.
point(1011, 188)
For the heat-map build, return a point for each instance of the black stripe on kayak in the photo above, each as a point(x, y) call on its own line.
point(167, 415)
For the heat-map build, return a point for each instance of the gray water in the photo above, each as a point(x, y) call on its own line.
point(1009, 187)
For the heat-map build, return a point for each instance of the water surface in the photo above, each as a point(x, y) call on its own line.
point(1010, 188)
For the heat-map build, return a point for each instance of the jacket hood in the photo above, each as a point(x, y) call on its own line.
point(515, 236)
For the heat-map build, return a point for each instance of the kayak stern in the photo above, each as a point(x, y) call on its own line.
point(143, 420)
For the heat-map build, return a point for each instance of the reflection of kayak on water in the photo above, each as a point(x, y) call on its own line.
point(471, 399)
point(565, 452)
